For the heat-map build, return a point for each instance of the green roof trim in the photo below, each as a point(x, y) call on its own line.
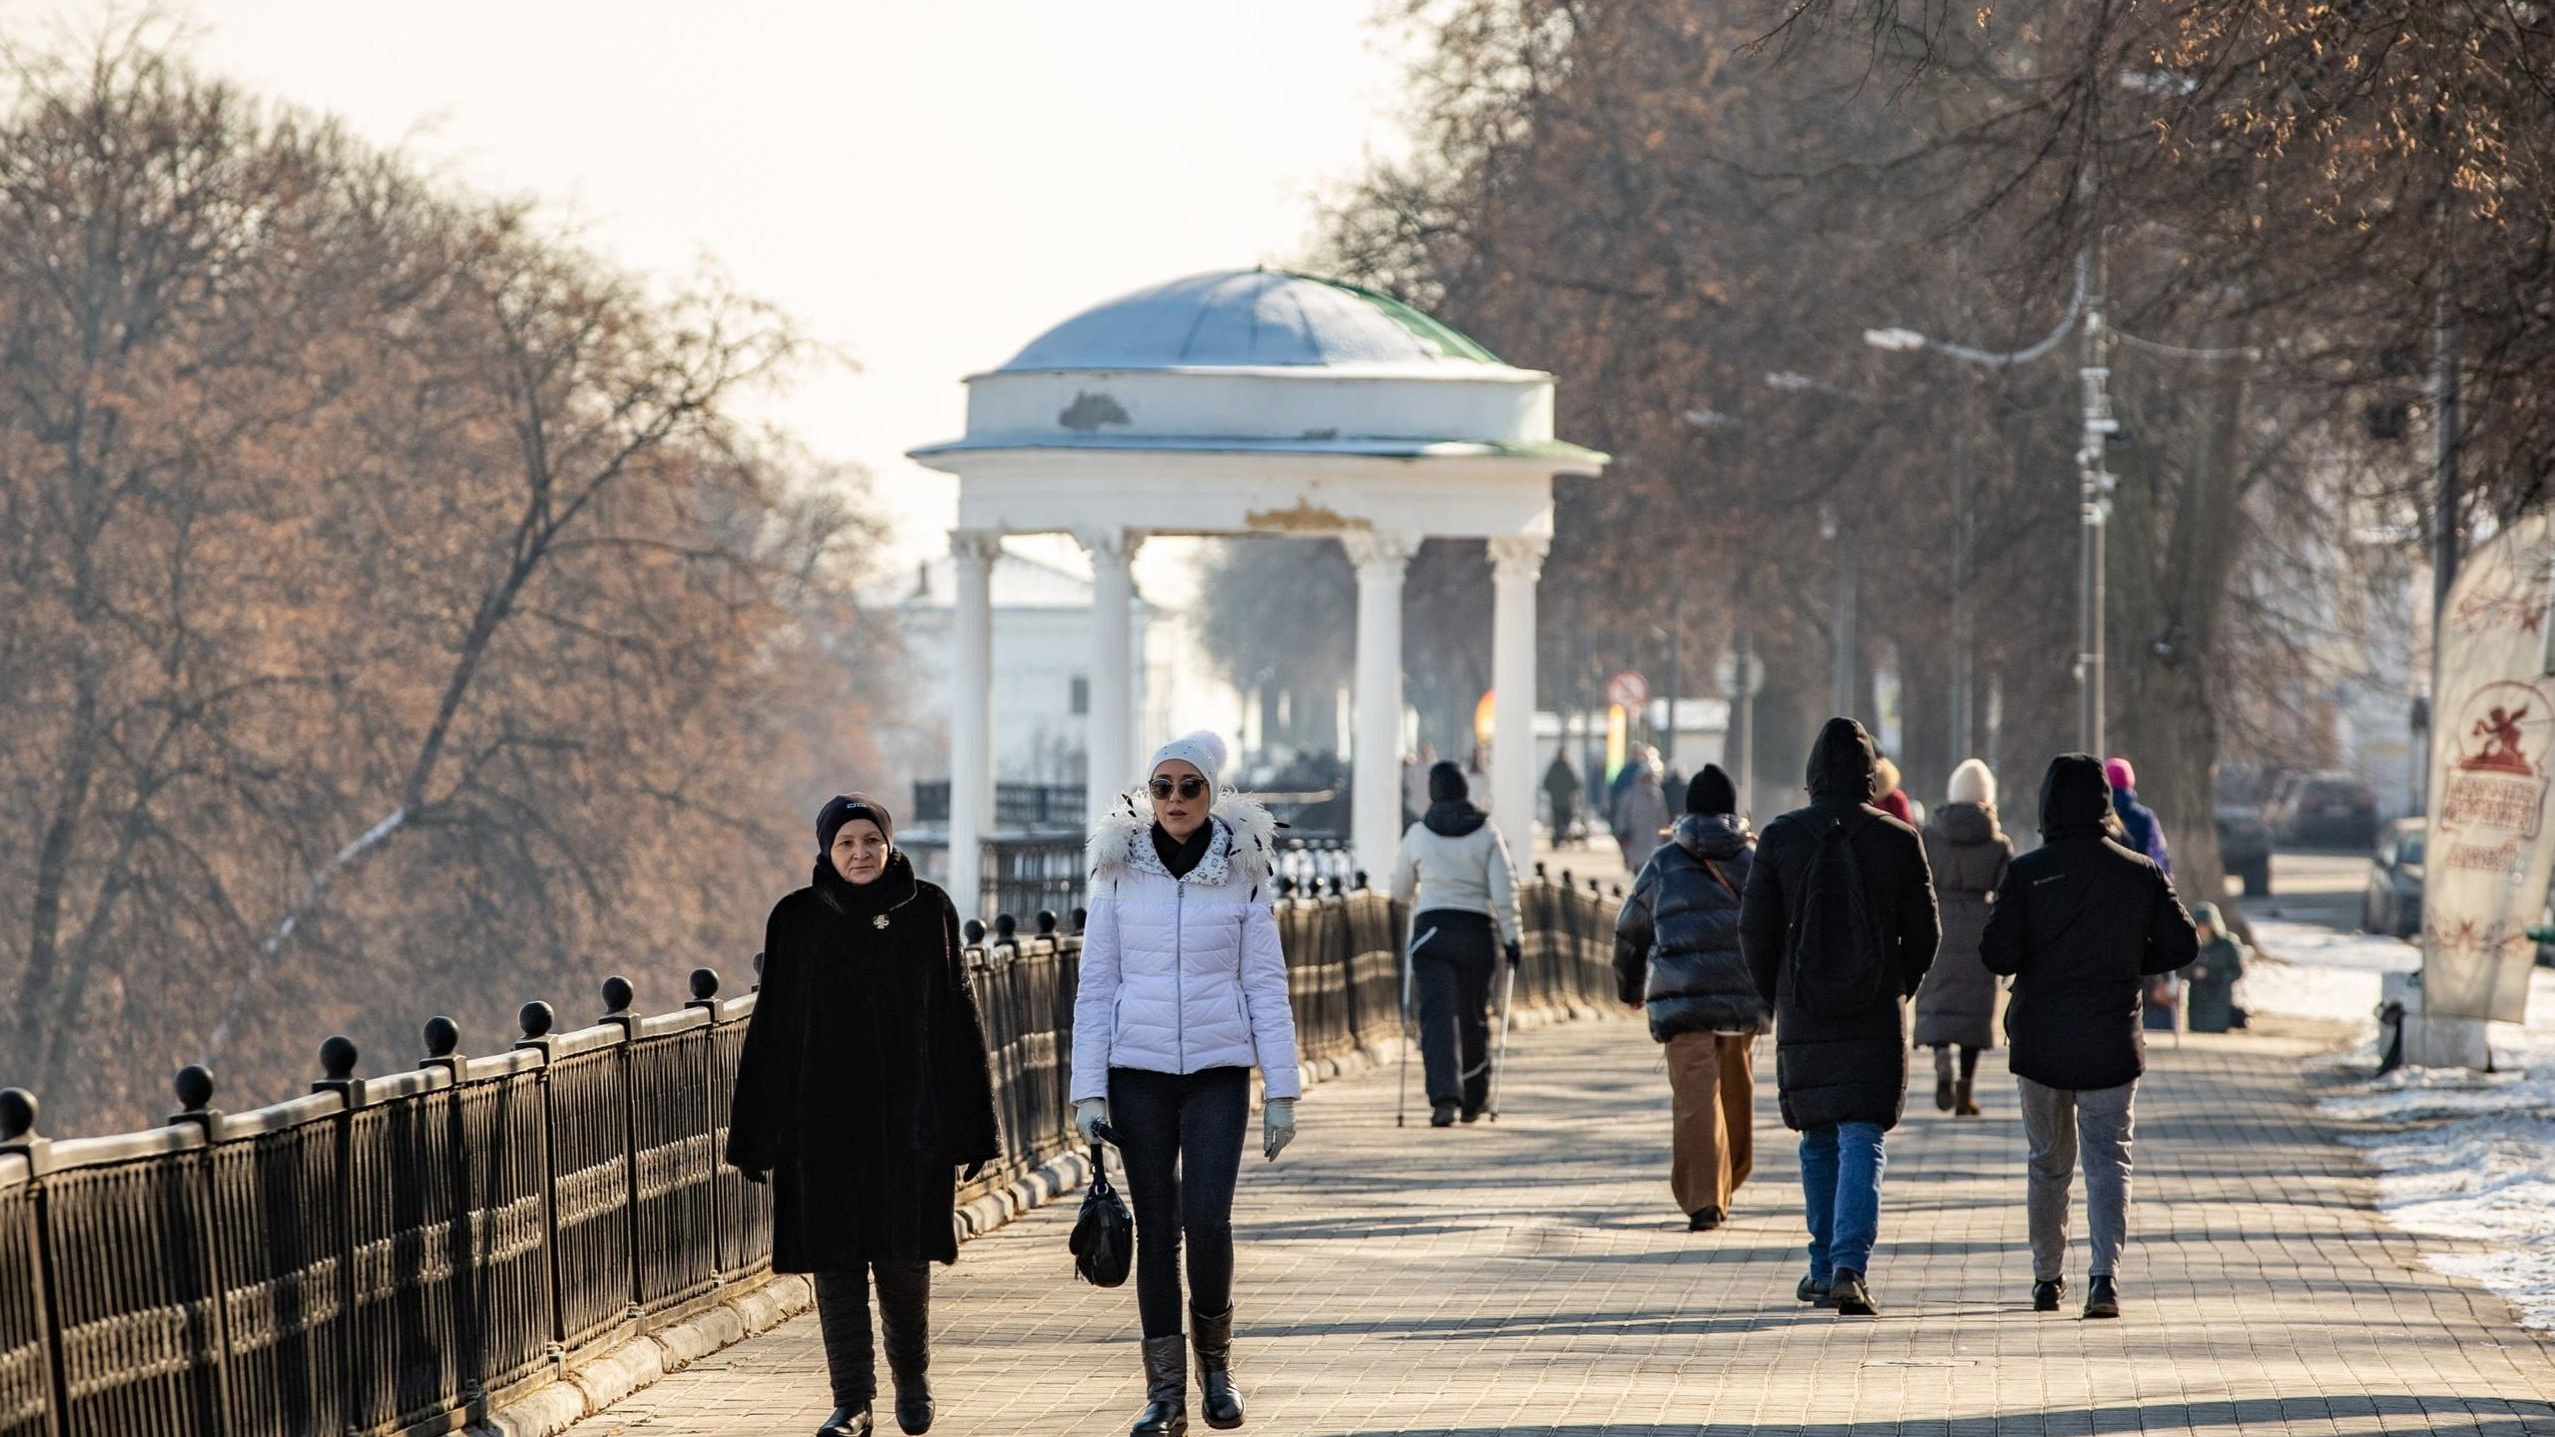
point(1446, 338)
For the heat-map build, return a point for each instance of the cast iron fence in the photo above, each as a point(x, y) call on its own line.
point(404, 1253)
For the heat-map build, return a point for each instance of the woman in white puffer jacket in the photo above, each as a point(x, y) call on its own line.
point(1183, 992)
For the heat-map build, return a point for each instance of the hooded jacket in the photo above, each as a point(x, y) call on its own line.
point(1677, 938)
point(1182, 974)
point(1968, 853)
point(1848, 1068)
point(2078, 924)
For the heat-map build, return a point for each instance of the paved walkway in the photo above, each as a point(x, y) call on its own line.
point(1532, 1277)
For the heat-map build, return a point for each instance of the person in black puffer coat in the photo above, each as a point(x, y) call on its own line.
point(1842, 1077)
point(2081, 922)
point(1677, 955)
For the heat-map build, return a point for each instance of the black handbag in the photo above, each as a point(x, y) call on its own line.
point(1104, 1233)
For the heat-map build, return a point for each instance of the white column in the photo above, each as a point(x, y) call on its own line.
point(971, 716)
point(1375, 804)
point(1110, 734)
point(1516, 566)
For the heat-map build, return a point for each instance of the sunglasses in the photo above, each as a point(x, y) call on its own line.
point(1188, 787)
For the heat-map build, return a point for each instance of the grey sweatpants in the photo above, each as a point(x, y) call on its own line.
point(2058, 1122)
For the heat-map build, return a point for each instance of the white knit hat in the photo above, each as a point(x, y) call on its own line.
point(1202, 749)
point(1972, 783)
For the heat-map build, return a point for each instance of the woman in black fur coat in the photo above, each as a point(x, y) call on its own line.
point(863, 1088)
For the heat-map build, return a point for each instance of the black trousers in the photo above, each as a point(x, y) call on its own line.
point(1181, 1136)
point(1451, 973)
point(842, 1316)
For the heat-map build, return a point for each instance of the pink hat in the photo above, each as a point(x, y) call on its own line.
point(2122, 776)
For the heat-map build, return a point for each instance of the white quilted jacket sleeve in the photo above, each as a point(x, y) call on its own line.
point(1272, 1011)
point(1095, 1002)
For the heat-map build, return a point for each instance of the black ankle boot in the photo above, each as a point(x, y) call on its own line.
point(1850, 1297)
point(2102, 1297)
point(847, 1422)
point(1441, 1115)
point(1212, 1338)
point(1166, 1388)
point(1812, 1291)
point(2045, 1295)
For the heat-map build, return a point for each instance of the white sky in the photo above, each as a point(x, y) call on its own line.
point(924, 185)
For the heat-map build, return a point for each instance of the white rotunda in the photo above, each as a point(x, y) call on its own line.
point(1256, 402)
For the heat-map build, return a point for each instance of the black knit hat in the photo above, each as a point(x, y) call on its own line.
point(1711, 792)
point(1446, 783)
point(842, 808)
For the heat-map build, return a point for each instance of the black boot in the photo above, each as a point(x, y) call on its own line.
point(1850, 1297)
point(1943, 1079)
point(2045, 1295)
point(847, 1422)
point(1704, 1221)
point(1441, 1115)
point(1166, 1388)
point(904, 1313)
point(1812, 1291)
point(2102, 1298)
point(1218, 1398)
point(842, 1320)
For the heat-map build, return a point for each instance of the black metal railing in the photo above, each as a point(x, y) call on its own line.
point(388, 1253)
point(1016, 805)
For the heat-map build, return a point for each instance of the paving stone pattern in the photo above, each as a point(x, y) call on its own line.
point(1532, 1277)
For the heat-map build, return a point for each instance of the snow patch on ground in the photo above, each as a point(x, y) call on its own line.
point(2459, 1155)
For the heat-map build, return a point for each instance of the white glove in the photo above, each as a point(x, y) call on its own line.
point(1277, 1126)
point(1088, 1115)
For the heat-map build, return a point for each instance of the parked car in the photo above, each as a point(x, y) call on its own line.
point(2392, 904)
point(2330, 810)
point(2244, 848)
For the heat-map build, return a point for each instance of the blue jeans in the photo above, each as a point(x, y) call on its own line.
point(1841, 1187)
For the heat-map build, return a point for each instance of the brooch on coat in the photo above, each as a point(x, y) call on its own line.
point(879, 922)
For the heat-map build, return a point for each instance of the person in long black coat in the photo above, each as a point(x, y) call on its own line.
point(863, 1088)
point(1841, 1077)
point(2080, 925)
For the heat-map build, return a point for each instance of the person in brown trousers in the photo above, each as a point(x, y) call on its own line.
point(1677, 958)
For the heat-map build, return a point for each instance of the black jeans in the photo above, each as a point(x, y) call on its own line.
point(842, 1318)
point(1181, 1136)
point(1452, 973)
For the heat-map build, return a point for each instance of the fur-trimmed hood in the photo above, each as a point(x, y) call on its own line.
point(1245, 847)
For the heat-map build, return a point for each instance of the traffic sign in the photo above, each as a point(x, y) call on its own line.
point(1735, 684)
point(1628, 689)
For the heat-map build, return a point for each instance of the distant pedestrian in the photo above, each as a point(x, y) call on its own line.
point(1415, 783)
point(862, 1089)
point(1677, 957)
point(1641, 816)
point(1838, 924)
point(1968, 853)
point(1561, 795)
point(2146, 835)
point(1183, 991)
point(1454, 865)
point(2209, 991)
point(1892, 799)
point(2080, 924)
point(1477, 778)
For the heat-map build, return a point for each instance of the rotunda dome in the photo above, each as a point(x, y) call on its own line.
point(1249, 319)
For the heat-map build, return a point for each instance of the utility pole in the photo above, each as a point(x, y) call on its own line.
point(1962, 690)
point(1744, 728)
point(2094, 488)
point(1841, 535)
point(2446, 502)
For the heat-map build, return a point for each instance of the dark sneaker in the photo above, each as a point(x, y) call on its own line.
point(1850, 1297)
point(1812, 1291)
point(1704, 1221)
point(1472, 1115)
point(2102, 1298)
point(1442, 1116)
point(2045, 1295)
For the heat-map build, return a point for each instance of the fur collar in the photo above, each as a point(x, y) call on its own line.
point(1245, 846)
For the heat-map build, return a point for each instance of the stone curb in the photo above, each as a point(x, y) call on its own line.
point(601, 1381)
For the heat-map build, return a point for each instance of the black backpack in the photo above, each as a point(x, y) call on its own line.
point(1839, 965)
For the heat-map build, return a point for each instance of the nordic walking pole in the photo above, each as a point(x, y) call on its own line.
point(1499, 1059)
point(1410, 960)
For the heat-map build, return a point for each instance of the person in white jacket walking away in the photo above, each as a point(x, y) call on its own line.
point(1454, 860)
point(1183, 992)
